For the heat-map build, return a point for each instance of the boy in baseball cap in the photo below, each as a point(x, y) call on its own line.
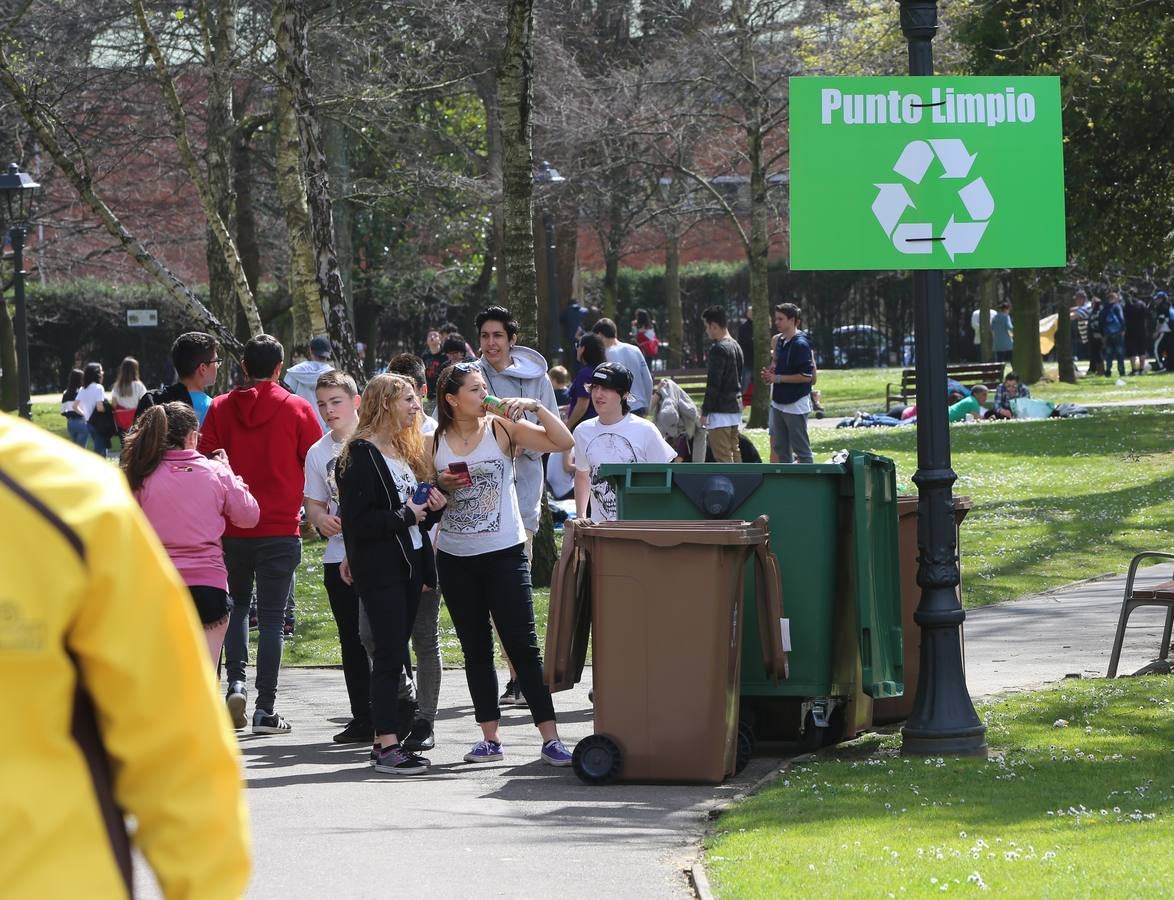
point(615, 436)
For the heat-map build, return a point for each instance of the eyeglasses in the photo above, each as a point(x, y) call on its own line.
point(214, 361)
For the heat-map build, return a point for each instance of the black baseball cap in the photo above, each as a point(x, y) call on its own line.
point(612, 375)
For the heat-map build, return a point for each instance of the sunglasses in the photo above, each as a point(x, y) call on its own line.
point(466, 366)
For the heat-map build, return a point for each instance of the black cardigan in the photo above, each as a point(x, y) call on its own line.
point(373, 516)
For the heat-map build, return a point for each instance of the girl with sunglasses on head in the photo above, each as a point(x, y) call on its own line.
point(480, 555)
point(385, 503)
point(186, 496)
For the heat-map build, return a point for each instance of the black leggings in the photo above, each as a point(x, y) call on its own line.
point(391, 607)
point(495, 586)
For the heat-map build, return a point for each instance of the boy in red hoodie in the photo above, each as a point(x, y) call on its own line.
point(266, 432)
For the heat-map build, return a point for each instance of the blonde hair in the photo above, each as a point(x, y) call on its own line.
point(559, 376)
point(378, 416)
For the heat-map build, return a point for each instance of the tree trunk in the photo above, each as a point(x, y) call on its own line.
point(289, 27)
point(514, 93)
point(1025, 307)
point(344, 218)
point(217, 224)
point(758, 258)
point(9, 388)
point(46, 135)
point(1064, 354)
point(486, 84)
point(988, 294)
point(611, 282)
point(672, 292)
point(246, 217)
point(306, 308)
point(220, 131)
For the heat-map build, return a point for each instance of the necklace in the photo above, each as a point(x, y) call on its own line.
point(467, 442)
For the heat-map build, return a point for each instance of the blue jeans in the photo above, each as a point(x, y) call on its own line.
point(79, 430)
point(270, 562)
point(101, 442)
point(1115, 350)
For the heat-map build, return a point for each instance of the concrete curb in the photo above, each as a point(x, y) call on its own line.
point(696, 871)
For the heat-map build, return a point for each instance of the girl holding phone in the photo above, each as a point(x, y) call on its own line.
point(480, 555)
point(385, 500)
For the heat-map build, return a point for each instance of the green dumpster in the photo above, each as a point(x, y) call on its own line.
point(834, 530)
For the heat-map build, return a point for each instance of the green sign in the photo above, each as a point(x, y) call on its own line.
point(926, 173)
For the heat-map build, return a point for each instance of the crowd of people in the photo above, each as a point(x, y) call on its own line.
point(1114, 330)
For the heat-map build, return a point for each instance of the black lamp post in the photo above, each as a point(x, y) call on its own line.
point(548, 174)
point(17, 190)
point(943, 721)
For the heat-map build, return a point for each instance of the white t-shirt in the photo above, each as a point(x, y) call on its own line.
point(89, 397)
point(321, 486)
point(131, 400)
point(723, 420)
point(560, 480)
point(630, 440)
point(404, 482)
point(428, 425)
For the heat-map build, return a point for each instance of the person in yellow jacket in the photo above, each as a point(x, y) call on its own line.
point(107, 699)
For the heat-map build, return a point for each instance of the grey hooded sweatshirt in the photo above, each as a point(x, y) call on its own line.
point(302, 379)
point(525, 377)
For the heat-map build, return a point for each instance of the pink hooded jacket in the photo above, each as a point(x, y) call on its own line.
point(187, 499)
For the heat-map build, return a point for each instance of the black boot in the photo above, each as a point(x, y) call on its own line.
point(421, 737)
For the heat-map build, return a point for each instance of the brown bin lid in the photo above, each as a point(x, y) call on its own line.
point(672, 533)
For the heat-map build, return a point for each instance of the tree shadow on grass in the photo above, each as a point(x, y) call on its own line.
point(1079, 525)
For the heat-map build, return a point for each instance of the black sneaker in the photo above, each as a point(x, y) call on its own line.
point(356, 732)
point(398, 761)
point(235, 701)
point(420, 737)
point(512, 696)
point(270, 723)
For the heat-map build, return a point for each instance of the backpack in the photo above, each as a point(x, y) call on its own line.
point(648, 344)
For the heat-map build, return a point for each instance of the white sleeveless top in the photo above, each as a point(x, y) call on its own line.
point(482, 518)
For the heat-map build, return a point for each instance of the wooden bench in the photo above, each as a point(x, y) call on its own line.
point(990, 374)
point(691, 381)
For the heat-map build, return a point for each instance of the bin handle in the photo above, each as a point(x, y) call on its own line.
point(769, 595)
point(665, 488)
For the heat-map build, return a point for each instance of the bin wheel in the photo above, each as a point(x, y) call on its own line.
point(813, 735)
point(597, 760)
point(745, 746)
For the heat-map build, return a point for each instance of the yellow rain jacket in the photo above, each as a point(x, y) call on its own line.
point(107, 697)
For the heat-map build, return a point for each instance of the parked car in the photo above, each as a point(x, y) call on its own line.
point(858, 347)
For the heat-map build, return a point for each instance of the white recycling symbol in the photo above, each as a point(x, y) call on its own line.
point(894, 199)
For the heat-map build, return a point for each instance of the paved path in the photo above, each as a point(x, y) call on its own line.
point(325, 825)
point(1022, 645)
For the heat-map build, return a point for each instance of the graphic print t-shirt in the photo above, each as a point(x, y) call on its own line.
point(629, 440)
point(404, 482)
point(321, 486)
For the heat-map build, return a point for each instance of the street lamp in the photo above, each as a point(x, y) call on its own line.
point(943, 721)
point(17, 190)
point(548, 174)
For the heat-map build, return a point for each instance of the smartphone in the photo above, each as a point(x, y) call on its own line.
point(461, 469)
point(421, 495)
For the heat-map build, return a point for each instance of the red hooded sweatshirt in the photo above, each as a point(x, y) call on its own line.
point(266, 432)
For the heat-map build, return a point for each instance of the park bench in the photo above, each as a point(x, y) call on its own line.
point(1160, 595)
point(691, 381)
point(990, 374)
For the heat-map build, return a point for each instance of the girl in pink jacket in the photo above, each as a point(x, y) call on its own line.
point(186, 497)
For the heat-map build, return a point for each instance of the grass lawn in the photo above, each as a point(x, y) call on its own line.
point(847, 390)
point(1082, 810)
point(1055, 500)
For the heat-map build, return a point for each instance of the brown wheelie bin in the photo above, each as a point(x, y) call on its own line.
point(664, 602)
point(896, 709)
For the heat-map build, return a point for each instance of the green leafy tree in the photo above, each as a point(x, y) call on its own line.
point(1117, 84)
